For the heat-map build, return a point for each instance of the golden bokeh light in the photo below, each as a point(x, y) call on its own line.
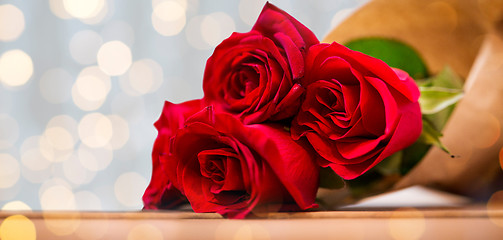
point(16, 206)
point(95, 159)
point(75, 172)
point(34, 160)
point(144, 231)
point(59, 138)
point(63, 227)
point(83, 9)
point(17, 227)
point(16, 68)
point(490, 133)
point(49, 151)
point(100, 15)
point(11, 22)
point(168, 18)
point(87, 201)
point(182, 3)
point(9, 131)
point(114, 58)
point(55, 85)
point(128, 189)
point(58, 9)
point(58, 197)
point(84, 46)
point(9, 170)
point(91, 88)
point(494, 208)
point(92, 230)
point(193, 33)
point(95, 130)
point(144, 76)
point(216, 27)
point(120, 129)
point(406, 223)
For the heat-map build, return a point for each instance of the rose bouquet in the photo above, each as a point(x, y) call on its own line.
point(283, 115)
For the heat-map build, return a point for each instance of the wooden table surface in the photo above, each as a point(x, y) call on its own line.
point(403, 223)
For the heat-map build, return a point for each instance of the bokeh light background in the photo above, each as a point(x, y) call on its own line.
point(83, 81)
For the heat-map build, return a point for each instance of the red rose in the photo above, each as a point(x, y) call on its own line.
point(160, 193)
point(357, 110)
point(255, 75)
point(223, 166)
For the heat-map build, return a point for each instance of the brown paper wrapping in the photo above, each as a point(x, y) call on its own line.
point(466, 35)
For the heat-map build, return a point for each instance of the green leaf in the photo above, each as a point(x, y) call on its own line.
point(390, 165)
point(435, 99)
point(396, 54)
point(330, 180)
point(430, 135)
point(444, 79)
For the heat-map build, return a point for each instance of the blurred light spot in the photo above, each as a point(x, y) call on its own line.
point(84, 46)
point(494, 208)
point(83, 9)
point(120, 129)
point(91, 88)
point(144, 76)
point(144, 231)
point(114, 58)
point(118, 30)
point(66, 122)
point(407, 223)
point(57, 198)
point(95, 130)
point(11, 22)
point(168, 18)
point(239, 230)
point(249, 10)
point(9, 171)
point(63, 226)
point(58, 9)
point(99, 15)
point(182, 3)
point(87, 201)
point(55, 85)
point(193, 33)
point(59, 138)
point(16, 68)
point(16, 206)
point(17, 227)
point(95, 159)
point(489, 134)
point(93, 229)
point(340, 16)
point(76, 172)
point(50, 152)
point(9, 131)
point(244, 232)
point(34, 160)
point(216, 27)
point(129, 188)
